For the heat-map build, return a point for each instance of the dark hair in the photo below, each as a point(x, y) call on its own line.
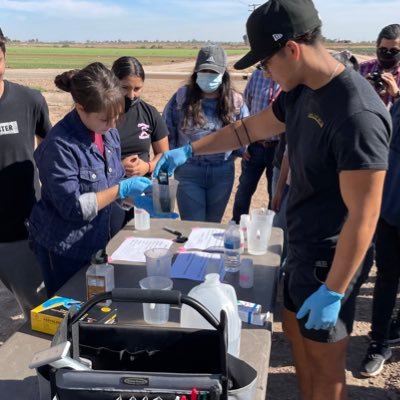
point(95, 88)
point(347, 59)
point(3, 44)
point(193, 109)
point(309, 38)
point(128, 66)
point(390, 32)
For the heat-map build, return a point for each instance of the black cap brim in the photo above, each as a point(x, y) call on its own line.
point(247, 61)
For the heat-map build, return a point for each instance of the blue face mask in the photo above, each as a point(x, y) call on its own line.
point(208, 82)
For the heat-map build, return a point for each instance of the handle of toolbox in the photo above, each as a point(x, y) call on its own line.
point(134, 295)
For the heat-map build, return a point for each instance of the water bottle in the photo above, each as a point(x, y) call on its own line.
point(232, 248)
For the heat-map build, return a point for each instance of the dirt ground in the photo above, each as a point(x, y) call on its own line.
point(281, 380)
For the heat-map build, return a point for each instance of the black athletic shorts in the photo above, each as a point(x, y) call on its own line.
point(304, 276)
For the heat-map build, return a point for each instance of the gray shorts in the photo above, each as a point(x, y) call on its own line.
point(20, 273)
point(303, 278)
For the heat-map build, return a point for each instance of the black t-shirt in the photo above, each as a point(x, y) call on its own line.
point(23, 114)
point(140, 126)
point(341, 126)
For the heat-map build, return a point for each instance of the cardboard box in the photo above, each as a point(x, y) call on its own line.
point(253, 319)
point(47, 317)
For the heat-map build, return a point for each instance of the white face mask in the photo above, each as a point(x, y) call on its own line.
point(208, 82)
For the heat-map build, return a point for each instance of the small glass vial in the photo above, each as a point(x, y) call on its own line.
point(246, 273)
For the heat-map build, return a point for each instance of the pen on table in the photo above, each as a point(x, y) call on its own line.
point(193, 394)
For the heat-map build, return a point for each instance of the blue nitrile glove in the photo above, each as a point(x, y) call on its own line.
point(133, 187)
point(147, 204)
point(172, 159)
point(323, 306)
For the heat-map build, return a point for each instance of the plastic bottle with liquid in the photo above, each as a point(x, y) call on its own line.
point(215, 296)
point(232, 248)
point(246, 273)
point(99, 276)
point(244, 220)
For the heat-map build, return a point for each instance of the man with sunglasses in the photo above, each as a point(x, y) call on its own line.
point(337, 131)
point(386, 67)
point(384, 329)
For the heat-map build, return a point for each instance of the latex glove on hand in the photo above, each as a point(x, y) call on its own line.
point(147, 204)
point(323, 307)
point(133, 187)
point(172, 159)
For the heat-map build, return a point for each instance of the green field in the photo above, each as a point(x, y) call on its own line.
point(75, 57)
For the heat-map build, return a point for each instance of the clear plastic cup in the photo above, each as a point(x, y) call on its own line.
point(158, 262)
point(164, 196)
point(142, 219)
point(156, 313)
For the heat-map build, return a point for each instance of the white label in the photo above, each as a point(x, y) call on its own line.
point(9, 128)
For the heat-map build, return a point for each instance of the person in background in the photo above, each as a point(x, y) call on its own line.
point(207, 103)
point(338, 148)
point(385, 329)
point(81, 173)
point(384, 71)
point(24, 116)
point(260, 91)
point(140, 128)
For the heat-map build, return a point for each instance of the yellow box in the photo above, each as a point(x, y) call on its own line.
point(47, 316)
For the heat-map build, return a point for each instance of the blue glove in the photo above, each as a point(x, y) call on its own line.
point(133, 187)
point(323, 306)
point(147, 204)
point(172, 159)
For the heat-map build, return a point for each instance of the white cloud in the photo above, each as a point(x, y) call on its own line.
point(60, 8)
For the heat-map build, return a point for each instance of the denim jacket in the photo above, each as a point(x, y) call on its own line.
point(70, 165)
point(174, 114)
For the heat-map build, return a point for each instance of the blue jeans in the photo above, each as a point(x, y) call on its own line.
point(204, 190)
point(252, 170)
point(387, 279)
point(56, 269)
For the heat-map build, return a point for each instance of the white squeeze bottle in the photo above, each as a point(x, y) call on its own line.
point(215, 296)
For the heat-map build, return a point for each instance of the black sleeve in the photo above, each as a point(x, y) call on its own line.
point(279, 107)
point(43, 124)
point(361, 142)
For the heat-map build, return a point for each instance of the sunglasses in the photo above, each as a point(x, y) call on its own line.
point(393, 51)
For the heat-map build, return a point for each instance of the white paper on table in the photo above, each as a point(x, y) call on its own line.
point(195, 265)
point(205, 238)
point(133, 248)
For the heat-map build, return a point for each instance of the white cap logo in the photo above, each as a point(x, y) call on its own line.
point(277, 36)
point(210, 59)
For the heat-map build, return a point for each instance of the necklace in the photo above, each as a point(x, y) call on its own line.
point(334, 72)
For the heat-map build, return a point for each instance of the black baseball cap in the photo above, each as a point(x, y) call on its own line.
point(274, 23)
point(211, 57)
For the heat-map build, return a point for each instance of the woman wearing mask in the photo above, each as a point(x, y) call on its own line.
point(204, 105)
point(80, 170)
point(142, 125)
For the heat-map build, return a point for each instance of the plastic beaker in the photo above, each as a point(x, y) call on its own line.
point(158, 262)
point(141, 219)
point(156, 313)
point(164, 196)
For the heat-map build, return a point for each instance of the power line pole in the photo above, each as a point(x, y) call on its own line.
point(252, 7)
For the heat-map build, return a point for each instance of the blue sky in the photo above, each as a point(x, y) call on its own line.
point(214, 20)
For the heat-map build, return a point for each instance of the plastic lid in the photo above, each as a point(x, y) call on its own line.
point(245, 218)
point(100, 257)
